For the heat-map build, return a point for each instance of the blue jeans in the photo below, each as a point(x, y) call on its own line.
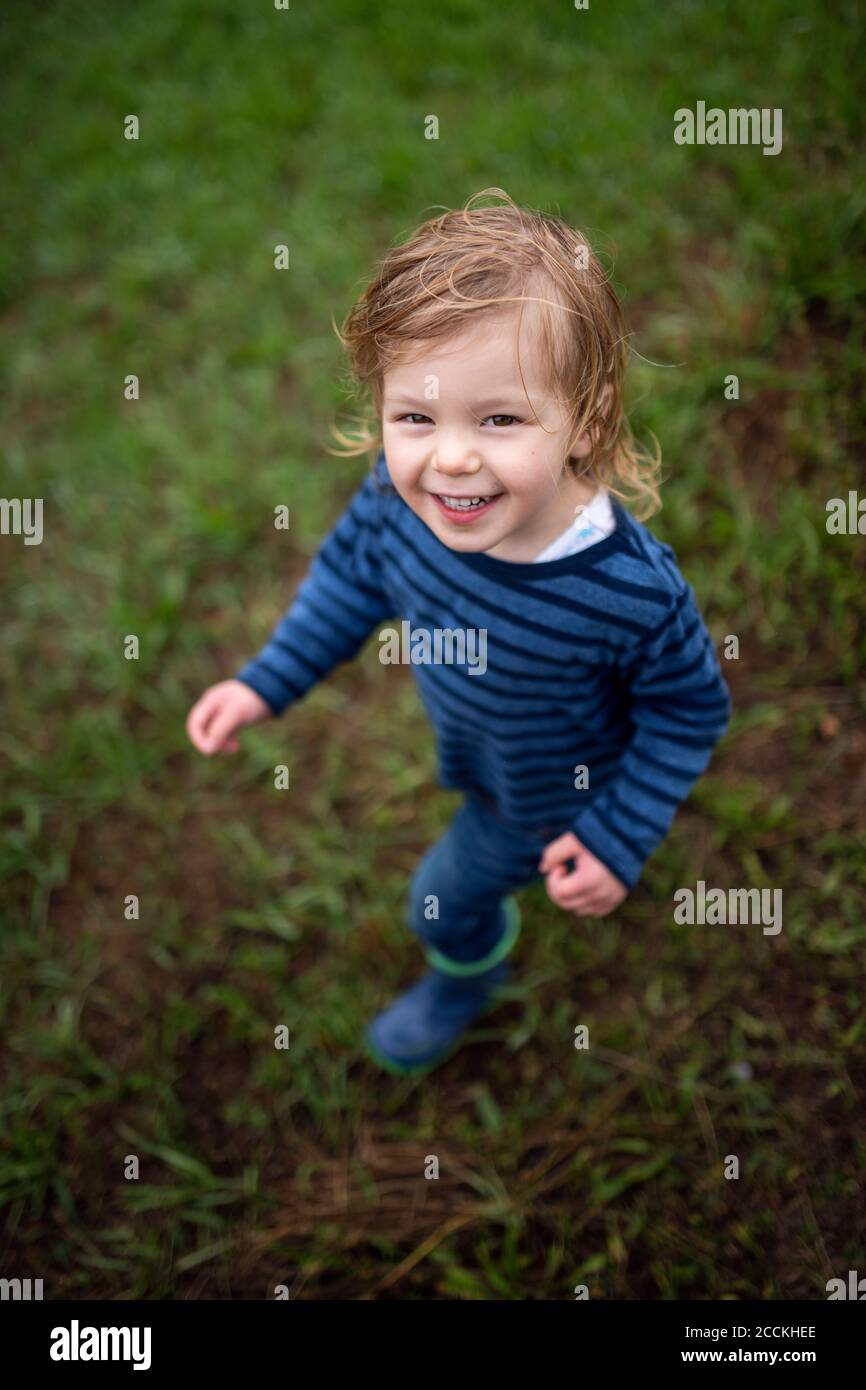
point(464, 877)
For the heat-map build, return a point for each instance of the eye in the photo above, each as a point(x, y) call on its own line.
point(416, 415)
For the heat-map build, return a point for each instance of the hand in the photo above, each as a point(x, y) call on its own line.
point(220, 712)
point(591, 890)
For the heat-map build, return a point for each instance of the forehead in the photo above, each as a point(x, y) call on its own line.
point(486, 347)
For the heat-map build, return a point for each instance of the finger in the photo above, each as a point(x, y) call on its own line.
point(198, 720)
point(220, 730)
point(195, 727)
point(563, 900)
point(576, 902)
point(570, 891)
point(568, 883)
point(582, 905)
point(556, 851)
point(583, 912)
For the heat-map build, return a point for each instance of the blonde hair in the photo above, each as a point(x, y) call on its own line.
point(476, 261)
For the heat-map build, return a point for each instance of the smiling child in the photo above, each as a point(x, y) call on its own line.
point(494, 350)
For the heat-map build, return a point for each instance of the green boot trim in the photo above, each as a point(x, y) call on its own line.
point(390, 1064)
point(477, 967)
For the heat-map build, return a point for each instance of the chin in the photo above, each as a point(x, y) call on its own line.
point(468, 543)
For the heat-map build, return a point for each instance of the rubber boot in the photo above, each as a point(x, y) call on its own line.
point(424, 1026)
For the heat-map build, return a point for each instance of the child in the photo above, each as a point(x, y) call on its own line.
point(495, 351)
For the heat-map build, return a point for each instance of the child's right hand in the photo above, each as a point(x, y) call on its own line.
point(218, 714)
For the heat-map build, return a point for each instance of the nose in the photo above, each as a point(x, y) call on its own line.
point(453, 455)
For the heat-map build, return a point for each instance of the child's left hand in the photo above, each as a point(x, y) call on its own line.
point(591, 890)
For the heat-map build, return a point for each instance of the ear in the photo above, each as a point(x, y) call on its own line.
point(583, 444)
point(581, 447)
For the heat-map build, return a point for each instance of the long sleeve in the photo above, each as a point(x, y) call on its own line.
point(337, 605)
point(680, 707)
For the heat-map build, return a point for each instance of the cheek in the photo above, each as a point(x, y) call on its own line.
point(531, 483)
point(401, 447)
point(404, 475)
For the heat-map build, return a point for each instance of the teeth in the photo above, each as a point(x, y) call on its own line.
point(462, 503)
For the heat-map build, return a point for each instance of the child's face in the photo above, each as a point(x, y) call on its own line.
point(479, 437)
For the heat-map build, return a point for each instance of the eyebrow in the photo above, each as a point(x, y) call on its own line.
point(505, 399)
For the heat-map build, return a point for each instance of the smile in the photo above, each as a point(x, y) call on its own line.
point(463, 509)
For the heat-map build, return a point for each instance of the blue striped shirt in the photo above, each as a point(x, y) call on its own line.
point(598, 661)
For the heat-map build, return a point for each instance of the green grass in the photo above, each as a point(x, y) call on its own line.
point(154, 1036)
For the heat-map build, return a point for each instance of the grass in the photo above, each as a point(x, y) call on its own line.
point(153, 1035)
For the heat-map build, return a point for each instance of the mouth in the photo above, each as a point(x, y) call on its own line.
point(463, 509)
